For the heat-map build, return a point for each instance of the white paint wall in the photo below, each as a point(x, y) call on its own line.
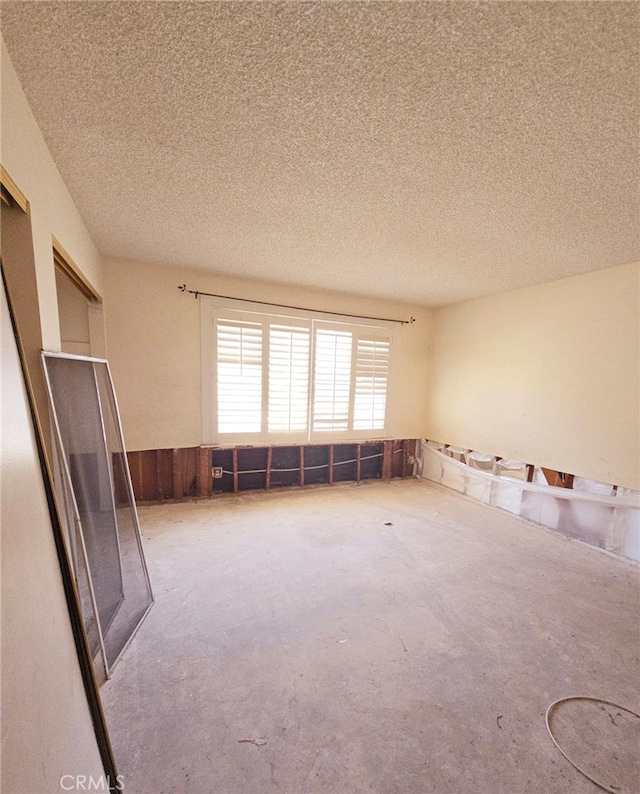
point(25, 156)
point(153, 344)
point(548, 375)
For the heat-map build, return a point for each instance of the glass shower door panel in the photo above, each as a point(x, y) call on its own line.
point(79, 418)
point(137, 589)
point(97, 489)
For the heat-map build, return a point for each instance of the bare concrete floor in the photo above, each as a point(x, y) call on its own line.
point(391, 637)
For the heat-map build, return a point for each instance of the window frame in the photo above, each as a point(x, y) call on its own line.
point(212, 309)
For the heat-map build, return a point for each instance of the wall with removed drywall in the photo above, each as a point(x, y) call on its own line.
point(547, 375)
point(153, 339)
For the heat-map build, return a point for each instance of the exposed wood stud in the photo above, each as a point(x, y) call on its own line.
point(397, 461)
point(269, 459)
point(550, 475)
point(387, 453)
point(557, 479)
point(204, 472)
point(234, 454)
point(412, 445)
point(177, 490)
point(159, 475)
point(140, 477)
point(212, 461)
point(181, 473)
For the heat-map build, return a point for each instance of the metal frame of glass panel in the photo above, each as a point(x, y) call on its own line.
point(75, 519)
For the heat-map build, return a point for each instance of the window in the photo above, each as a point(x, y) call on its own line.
point(289, 348)
point(332, 385)
point(239, 376)
point(372, 366)
point(298, 378)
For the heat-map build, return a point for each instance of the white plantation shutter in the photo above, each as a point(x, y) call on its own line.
point(332, 380)
point(288, 378)
point(239, 376)
point(270, 378)
point(372, 369)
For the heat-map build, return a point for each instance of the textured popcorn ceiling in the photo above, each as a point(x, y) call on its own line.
point(423, 151)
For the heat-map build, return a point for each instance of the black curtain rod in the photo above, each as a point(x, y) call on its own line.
point(197, 293)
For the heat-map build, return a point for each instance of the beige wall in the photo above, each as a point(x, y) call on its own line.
point(47, 729)
point(46, 725)
point(25, 156)
point(548, 375)
point(73, 311)
point(153, 345)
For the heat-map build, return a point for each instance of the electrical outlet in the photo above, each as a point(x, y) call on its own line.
point(411, 460)
point(217, 472)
